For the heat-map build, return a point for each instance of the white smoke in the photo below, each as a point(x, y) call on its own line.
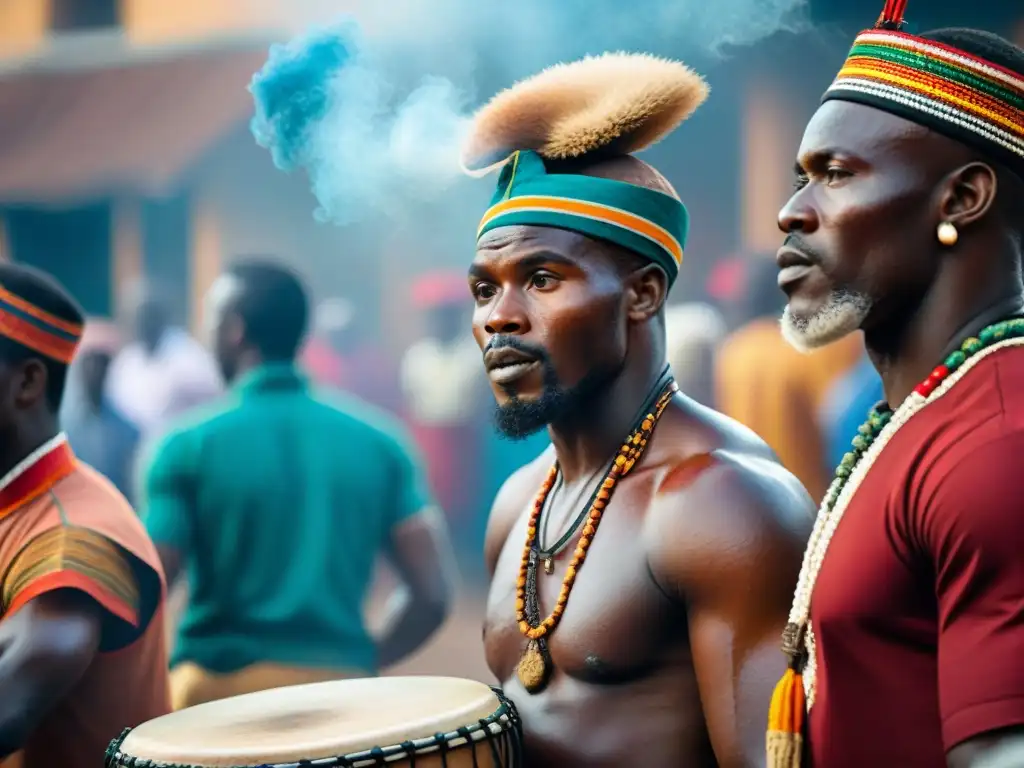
point(377, 123)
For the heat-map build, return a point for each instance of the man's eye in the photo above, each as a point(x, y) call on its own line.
point(835, 173)
point(542, 281)
point(483, 291)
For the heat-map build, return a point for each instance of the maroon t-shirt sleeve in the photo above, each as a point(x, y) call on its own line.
point(973, 530)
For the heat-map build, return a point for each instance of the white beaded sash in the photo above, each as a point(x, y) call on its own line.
point(826, 523)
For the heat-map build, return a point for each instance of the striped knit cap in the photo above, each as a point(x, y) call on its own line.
point(610, 105)
point(960, 93)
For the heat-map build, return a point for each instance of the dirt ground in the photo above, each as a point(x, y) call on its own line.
point(456, 650)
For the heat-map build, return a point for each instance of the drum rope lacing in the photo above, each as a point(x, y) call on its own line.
point(505, 751)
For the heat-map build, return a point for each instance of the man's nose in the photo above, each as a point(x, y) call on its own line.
point(507, 314)
point(797, 215)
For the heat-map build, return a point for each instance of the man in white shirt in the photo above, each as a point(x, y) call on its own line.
point(693, 331)
point(163, 372)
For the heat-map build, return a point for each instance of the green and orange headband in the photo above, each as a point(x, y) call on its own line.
point(939, 86)
point(645, 221)
point(41, 331)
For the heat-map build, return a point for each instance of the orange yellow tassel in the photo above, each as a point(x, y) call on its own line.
point(786, 718)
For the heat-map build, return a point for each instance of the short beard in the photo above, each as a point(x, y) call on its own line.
point(843, 314)
point(517, 419)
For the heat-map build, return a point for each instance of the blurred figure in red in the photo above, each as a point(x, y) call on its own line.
point(344, 356)
point(442, 381)
point(324, 356)
point(726, 287)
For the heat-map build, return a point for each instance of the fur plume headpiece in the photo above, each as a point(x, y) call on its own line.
point(617, 103)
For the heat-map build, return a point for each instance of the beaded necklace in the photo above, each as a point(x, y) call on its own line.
point(872, 437)
point(534, 667)
point(548, 553)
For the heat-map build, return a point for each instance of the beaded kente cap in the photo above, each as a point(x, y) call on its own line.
point(950, 90)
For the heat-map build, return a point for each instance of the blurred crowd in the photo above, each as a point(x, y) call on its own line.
point(139, 377)
point(136, 377)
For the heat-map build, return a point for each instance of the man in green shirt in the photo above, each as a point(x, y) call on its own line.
point(277, 502)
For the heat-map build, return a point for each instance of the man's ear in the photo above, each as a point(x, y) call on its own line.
point(967, 194)
point(646, 291)
point(29, 383)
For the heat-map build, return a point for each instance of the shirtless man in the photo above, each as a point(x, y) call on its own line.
point(665, 654)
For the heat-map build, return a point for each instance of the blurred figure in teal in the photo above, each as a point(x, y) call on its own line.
point(277, 502)
point(502, 456)
point(846, 405)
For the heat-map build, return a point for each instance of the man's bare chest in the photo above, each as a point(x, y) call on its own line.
point(616, 624)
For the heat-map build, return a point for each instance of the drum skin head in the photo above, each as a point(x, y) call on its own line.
point(310, 722)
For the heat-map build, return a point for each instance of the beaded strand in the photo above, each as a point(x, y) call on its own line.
point(630, 452)
point(880, 428)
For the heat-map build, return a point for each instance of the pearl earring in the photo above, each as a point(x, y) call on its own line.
point(947, 234)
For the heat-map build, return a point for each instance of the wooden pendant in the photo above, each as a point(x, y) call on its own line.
point(533, 668)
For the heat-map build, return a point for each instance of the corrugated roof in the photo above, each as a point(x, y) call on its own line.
point(78, 134)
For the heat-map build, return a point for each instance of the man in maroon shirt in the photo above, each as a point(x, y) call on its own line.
point(907, 630)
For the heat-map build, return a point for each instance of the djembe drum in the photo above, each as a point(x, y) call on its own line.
point(421, 722)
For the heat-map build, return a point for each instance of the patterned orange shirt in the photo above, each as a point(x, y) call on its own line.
point(64, 526)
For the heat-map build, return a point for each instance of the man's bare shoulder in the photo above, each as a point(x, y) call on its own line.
point(725, 510)
point(523, 483)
